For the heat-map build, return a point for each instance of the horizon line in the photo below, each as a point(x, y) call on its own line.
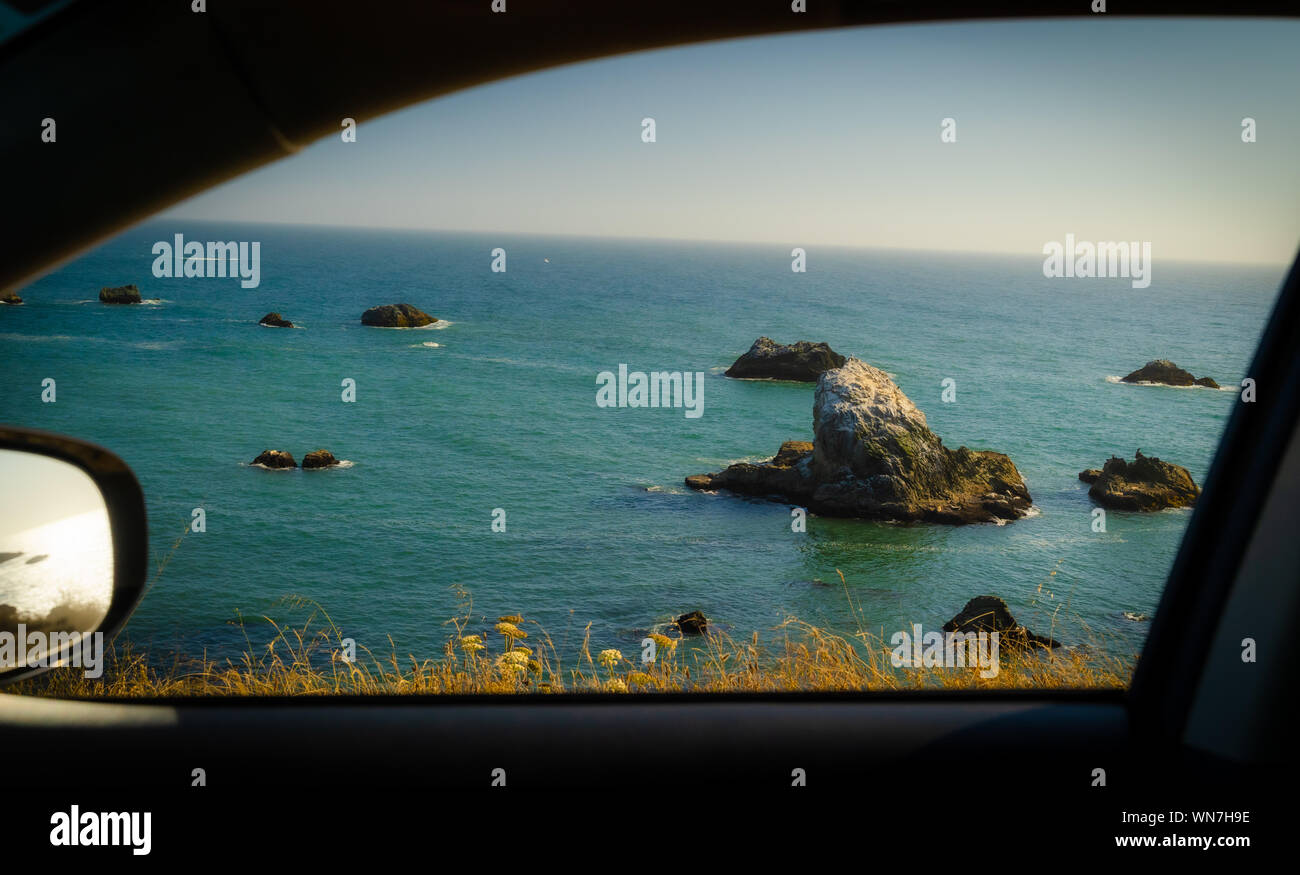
point(669, 239)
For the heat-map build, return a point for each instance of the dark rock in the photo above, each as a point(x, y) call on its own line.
point(127, 294)
point(782, 475)
point(1144, 484)
point(1090, 476)
point(10, 298)
point(694, 623)
point(319, 459)
point(1167, 373)
point(803, 361)
point(873, 457)
point(275, 459)
point(987, 613)
point(396, 316)
point(275, 320)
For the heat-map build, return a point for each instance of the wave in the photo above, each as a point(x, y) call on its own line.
point(428, 343)
point(141, 344)
point(668, 490)
point(153, 302)
point(750, 460)
point(436, 326)
point(39, 338)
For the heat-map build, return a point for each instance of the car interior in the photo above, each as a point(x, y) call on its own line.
point(122, 114)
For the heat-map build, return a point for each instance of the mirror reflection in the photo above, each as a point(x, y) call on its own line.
point(56, 555)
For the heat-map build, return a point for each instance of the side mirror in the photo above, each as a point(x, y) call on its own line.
point(73, 551)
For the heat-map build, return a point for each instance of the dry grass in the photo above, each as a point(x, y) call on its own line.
point(520, 657)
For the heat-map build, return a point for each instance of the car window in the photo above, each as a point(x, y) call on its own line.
point(886, 358)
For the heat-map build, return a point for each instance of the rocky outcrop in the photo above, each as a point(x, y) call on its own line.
point(275, 321)
point(319, 459)
point(987, 613)
point(780, 476)
point(10, 298)
point(1144, 484)
point(694, 623)
point(1167, 373)
point(275, 459)
point(802, 362)
point(873, 457)
point(396, 316)
point(127, 294)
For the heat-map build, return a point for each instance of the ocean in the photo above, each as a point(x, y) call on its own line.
point(496, 409)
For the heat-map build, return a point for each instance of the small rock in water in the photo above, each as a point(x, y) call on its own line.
point(987, 613)
point(319, 459)
point(1145, 484)
point(694, 623)
point(396, 316)
point(802, 362)
point(127, 294)
point(1167, 373)
point(275, 459)
point(10, 298)
point(275, 320)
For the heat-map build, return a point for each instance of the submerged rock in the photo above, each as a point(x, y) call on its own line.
point(10, 298)
point(275, 459)
point(396, 316)
point(873, 457)
point(127, 294)
point(1167, 373)
point(803, 361)
point(275, 320)
point(988, 613)
point(1144, 484)
point(319, 459)
point(694, 623)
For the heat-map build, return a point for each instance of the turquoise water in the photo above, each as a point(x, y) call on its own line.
point(502, 414)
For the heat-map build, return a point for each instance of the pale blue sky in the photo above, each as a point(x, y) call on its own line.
point(1107, 128)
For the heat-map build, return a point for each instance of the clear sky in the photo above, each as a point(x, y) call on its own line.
point(41, 490)
point(1107, 128)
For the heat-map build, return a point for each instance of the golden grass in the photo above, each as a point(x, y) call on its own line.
point(522, 658)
